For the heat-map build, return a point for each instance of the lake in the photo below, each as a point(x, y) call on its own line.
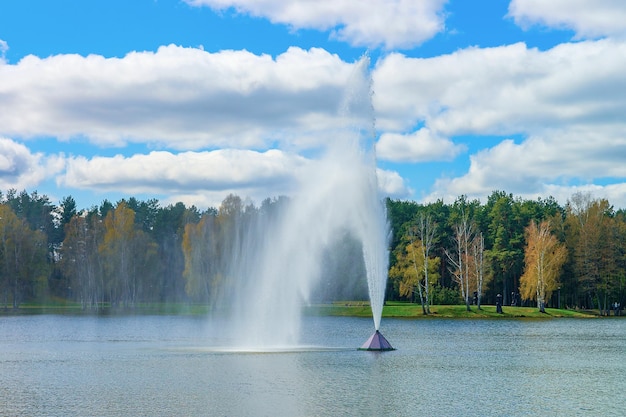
point(54, 365)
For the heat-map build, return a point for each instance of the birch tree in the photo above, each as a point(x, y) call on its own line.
point(410, 272)
point(426, 229)
point(544, 256)
point(479, 277)
point(115, 251)
point(463, 234)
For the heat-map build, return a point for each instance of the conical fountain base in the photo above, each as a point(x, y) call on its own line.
point(377, 342)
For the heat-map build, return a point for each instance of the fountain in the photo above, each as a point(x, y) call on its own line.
point(376, 342)
point(277, 263)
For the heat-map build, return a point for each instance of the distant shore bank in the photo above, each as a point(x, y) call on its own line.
point(340, 308)
point(414, 311)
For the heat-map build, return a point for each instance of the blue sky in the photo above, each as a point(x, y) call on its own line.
point(190, 100)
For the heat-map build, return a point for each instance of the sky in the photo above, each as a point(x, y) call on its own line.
point(192, 100)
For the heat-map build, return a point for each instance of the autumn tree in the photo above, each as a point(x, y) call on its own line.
point(592, 239)
point(168, 232)
point(210, 246)
point(23, 267)
point(115, 251)
point(200, 249)
point(544, 256)
point(128, 255)
point(408, 272)
point(404, 274)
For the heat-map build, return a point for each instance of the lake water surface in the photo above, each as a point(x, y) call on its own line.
point(179, 366)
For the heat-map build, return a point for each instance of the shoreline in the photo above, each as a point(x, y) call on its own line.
point(342, 308)
point(414, 311)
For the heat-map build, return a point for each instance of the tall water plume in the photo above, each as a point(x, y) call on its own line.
point(278, 260)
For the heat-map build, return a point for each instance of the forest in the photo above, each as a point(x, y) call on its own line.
point(507, 250)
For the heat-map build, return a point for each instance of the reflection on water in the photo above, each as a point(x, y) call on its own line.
point(149, 365)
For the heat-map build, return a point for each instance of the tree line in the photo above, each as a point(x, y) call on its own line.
point(508, 250)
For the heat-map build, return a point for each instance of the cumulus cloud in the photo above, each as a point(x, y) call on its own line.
point(567, 110)
point(21, 169)
point(613, 193)
point(558, 164)
point(181, 98)
point(392, 185)
point(503, 90)
point(185, 99)
point(588, 19)
point(201, 178)
point(564, 109)
point(393, 24)
point(419, 146)
point(166, 172)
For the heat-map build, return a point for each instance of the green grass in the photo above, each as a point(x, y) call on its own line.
point(408, 310)
point(58, 306)
point(344, 308)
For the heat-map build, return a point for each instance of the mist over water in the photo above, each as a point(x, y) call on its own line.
point(279, 260)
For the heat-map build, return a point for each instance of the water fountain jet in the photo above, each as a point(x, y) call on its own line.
point(277, 264)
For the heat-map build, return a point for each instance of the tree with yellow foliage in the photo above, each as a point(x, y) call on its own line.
point(128, 256)
point(199, 250)
point(544, 257)
point(414, 272)
point(23, 267)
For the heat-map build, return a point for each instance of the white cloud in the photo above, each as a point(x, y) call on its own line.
point(568, 101)
point(419, 146)
point(201, 178)
point(391, 23)
point(4, 47)
point(588, 19)
point(392, 185)
point(503, 90)
point(615, 194)
point(570, 107)
point(557, 164)
point(181, 98)
point(165, 172)
point(21, 169)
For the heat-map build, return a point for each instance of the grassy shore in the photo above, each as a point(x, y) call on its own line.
point(414, 311)
point(73, 308)
point(343, 308)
